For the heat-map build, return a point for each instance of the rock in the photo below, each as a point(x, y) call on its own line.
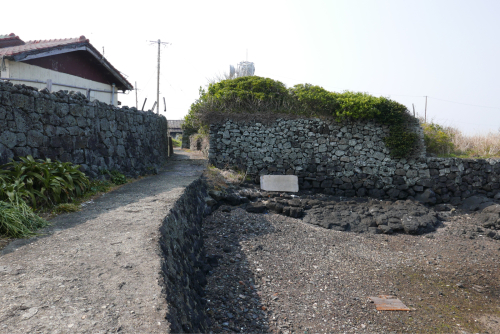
point(217, 195)
point(455, 201)
point(296, 212)
point(213, 260)
point(233, 199)
point(428, 196)
point(475, 203)
point(385, 229)
point(419, 224)
point(225, 208)
point(275, 207)
point(443, 207)
point(256, 207)
point(490, 217)
point(31, 312)
point(210, 201)
point(493, 235)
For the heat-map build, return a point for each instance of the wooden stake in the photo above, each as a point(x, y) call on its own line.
point(425, 118)
point(136, 105)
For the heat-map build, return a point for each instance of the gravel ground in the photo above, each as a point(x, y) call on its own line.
point(273, 273)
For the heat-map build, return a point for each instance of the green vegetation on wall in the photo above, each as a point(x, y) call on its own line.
point(254, 94)
point(438, 140)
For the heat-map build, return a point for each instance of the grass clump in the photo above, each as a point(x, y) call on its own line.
point(18, 220)
point(254, 94)
point(42, 182)
point(45, 186)
point(220, 179)
point(115, 176)
point(66, 208)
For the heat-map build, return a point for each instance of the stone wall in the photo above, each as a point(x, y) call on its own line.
point(67, 127)
point(347, 159)
point(199, 142)
point(184, 266)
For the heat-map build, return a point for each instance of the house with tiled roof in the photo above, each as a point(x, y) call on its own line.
point(61, 64)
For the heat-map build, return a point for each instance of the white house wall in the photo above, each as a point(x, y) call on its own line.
point(21, 70)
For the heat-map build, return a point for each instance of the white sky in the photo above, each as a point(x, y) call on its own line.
point(402, 49)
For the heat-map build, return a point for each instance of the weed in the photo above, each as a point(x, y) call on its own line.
point(176, 142)
point(220, 179)
point(18, 220)
point(66, 208)
point(115, 176)
point(42, 182)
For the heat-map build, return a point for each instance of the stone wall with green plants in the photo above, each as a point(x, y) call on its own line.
point(348, 159)
point(347, 144)
point(67, 127)
point(264, 99)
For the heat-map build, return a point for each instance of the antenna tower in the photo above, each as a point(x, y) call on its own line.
point(243, 69)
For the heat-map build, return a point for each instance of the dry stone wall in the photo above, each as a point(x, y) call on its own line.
point(67, 127)
point(348, 159)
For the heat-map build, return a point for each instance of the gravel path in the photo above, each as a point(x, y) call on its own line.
point(278, 274)
point(98, 270)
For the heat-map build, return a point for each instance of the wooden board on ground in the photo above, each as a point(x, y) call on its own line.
point(388, 303)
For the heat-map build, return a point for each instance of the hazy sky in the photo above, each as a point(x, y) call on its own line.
point(447, 50)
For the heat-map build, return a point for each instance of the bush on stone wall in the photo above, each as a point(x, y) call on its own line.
point(263, 95)
point(438, 140)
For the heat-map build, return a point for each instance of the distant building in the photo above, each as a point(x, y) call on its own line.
point(175, 128)
point(61, 64)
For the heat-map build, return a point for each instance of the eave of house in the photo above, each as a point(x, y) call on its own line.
point(123, 84)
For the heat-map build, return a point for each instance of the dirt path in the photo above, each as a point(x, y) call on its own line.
point(96, 271)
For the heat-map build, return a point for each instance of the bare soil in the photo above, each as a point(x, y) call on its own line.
point(278, 274)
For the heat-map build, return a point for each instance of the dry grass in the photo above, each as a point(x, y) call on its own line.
point(455, 143)
point(487, 145)
point(220, 179)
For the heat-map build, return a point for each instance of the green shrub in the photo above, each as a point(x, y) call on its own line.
point(315, 100)
point(117, 177)
point(248, 88)
point(17, 220)
point(437, 139)
point(42, 182)
point(176, 142)
point(255, 94)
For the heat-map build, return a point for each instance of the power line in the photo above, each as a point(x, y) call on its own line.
point(466, 104)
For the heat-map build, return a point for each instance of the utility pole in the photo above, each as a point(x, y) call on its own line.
point(425, 118)
point(158, 83)
point(136, 105)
